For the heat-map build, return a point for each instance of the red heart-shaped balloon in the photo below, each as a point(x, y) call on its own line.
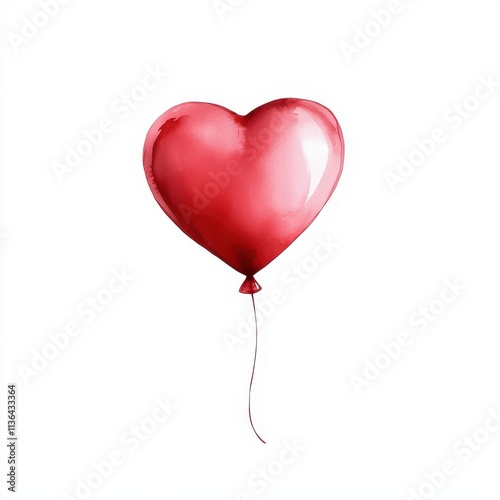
point(244, 187)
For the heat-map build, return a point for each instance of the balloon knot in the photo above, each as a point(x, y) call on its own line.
point(250, 286)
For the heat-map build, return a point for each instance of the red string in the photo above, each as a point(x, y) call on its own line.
point(253, 371)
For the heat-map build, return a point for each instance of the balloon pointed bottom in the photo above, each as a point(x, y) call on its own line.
point(250, 286)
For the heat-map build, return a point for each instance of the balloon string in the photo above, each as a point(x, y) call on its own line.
point(253, 371)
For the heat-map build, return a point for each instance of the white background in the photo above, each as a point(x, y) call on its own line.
point(163, 336)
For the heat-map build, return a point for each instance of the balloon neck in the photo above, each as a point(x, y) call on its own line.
point(250, 286)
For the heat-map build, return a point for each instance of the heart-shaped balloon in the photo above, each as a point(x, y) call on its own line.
point(244, 187)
